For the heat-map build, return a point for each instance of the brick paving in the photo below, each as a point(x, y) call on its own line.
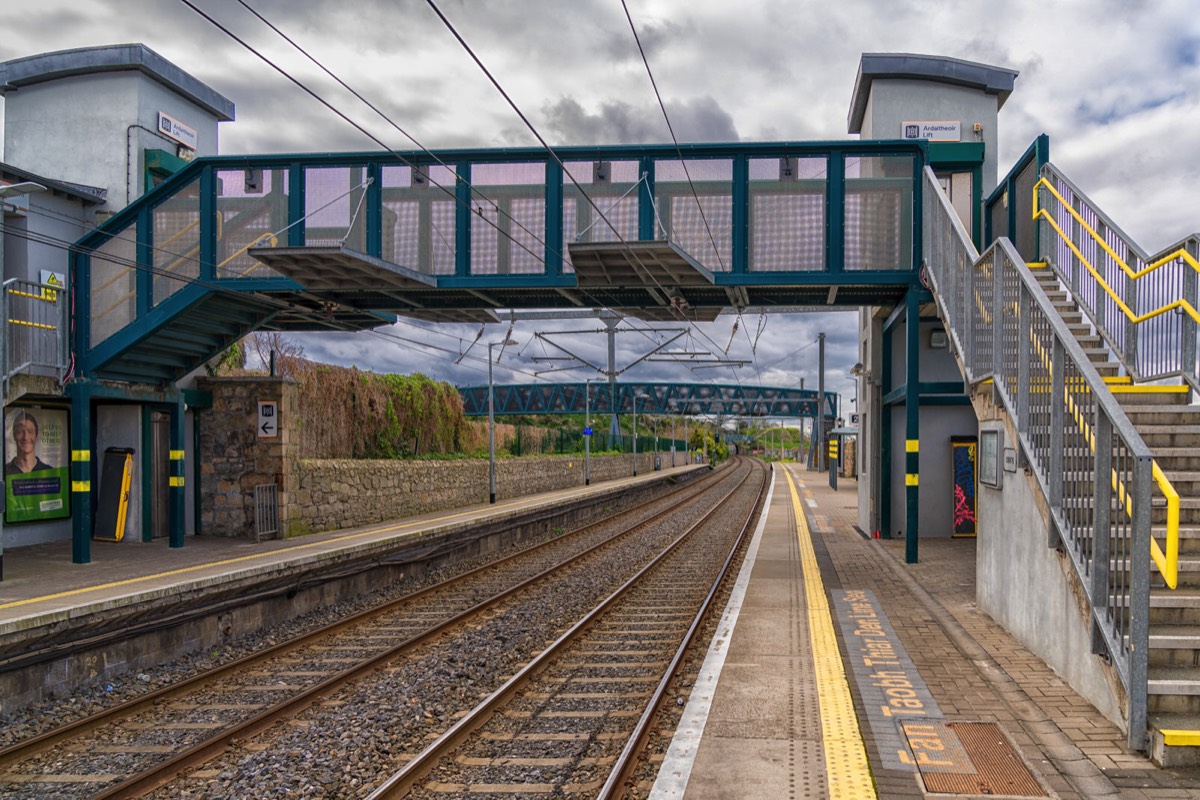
point(974, 668)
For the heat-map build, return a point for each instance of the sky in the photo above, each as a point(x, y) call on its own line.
point(1115, 84)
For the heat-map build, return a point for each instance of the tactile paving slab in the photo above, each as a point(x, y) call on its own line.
point(968, 758)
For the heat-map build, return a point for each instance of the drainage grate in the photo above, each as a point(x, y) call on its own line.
point(968, 758)
point(266, 511)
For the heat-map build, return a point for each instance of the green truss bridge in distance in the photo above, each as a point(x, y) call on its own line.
point(598, 397)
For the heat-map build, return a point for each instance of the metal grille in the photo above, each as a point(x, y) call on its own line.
point(113, 285)
point(878, 212)
point(1092, 466)
point(266, 511)
point(508, 219)
point(176, 241)
point(787, 214)
point(252, 208)
point(420, 218)
point(35, 330)
point(613, 187)
point(334, 207)
point(704, 230)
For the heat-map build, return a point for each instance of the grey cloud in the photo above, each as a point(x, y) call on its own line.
point(616, 122)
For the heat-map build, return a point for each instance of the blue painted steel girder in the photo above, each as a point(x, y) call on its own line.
point(652, 398)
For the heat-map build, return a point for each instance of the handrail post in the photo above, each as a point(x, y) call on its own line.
point(1131, 327)
point(1139, 603)
point(1054, 470)
point(997, 318)
point(1101, 526)
point(1024, 337)
point(1188, 332)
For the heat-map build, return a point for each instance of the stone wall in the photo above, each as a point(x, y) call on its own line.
point(329, 494)
point(343, 493)
point(233, 459)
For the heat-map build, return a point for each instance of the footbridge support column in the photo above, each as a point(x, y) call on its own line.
point(912, 422)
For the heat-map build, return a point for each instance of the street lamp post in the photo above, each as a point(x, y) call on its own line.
point(492, 422)
point(587, 435)
point(636, 397)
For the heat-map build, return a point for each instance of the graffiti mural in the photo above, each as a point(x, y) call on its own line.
point(965, 449)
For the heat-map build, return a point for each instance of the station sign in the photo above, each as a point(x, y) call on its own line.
point(934, 130)
point(169, 126)
point(267, 426)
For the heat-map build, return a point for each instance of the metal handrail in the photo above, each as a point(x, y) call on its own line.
point(1089, 461)
point(1126, 293)
point(33, 334)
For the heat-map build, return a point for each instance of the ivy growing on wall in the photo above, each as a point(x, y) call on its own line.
point(349, 413)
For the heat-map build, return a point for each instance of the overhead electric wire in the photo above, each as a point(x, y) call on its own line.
point(352, 123)
point(671, 129)
point(458, 178)
point(532, 129)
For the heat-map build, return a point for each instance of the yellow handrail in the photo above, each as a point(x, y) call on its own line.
point(1169, 257)
point(1168, 562)
point(1126, 310)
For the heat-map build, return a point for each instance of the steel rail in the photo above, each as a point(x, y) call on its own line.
point(201, 752)
point(37, 744)
point(621, 773)
point(405, 779)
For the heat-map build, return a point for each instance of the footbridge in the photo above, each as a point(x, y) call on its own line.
point(1028, 309)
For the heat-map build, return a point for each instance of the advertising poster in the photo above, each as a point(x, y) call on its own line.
point(37, 464)
point(965, 455)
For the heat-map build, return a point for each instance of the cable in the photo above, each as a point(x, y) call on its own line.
point(355, 125)
point(458, 178)
point(454, 31)
point(671, 130)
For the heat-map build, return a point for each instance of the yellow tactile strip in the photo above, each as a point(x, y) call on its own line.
point(846, 768)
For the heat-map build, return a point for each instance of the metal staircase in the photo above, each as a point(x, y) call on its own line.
point(1097, 382)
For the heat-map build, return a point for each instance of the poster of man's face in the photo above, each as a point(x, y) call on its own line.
point(36, 464)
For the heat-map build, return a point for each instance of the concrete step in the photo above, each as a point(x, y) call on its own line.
point(1156, 414)
point(1174, 680)
point(1140, 395)
point(1177, 458)
point(1175, 637)
point(1175, 739)
point(1176, 436)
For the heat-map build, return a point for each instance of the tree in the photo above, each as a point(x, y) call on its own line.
point(287, 350)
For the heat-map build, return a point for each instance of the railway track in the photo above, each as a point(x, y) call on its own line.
point(129, 750)
point(576, 718)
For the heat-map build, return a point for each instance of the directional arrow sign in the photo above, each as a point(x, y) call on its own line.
point(268, 419)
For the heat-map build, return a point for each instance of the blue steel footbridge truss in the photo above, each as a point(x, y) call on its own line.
point(671, 399)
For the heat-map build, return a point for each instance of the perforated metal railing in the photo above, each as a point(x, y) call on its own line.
point(1090, 463)
point(798, 207)
point(35, 330)
point(1144, 306)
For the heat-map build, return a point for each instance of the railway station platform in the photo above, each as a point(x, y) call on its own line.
point(883, 668)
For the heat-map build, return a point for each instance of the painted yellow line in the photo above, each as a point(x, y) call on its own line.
point(85, 486)
point(176, 480)
point(846, 769)
point(177, 455)
point(1149, 389)
point(912, 445)
point(81, 455)
point(912, 479)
